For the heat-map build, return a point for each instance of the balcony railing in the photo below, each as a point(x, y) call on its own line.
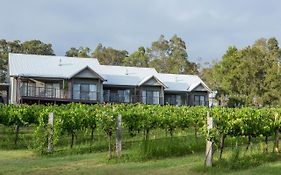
point(201, 103)
point(119, 98)
point(53, 93)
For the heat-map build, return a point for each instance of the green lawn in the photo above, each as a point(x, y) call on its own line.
point(25, 162)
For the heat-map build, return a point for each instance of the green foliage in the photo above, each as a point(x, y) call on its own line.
point(170, 56)
point(109, 56)
point(27, 47)
point(80, 52)
point(139, 58)
point(138, 118)
point(249, 76)
point(166, 56)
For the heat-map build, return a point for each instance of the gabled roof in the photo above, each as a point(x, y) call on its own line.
point(47, 66)
point(178, 82)
point(87, 68)
point(124, 75)
point(194, 86)
point(151, 77)
point(67, 67)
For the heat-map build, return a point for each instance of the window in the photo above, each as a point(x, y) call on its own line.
point(178, 100)
point(155, 97)
point(93, 92)
point(49, 90)
point(24, 88)
point(174, 99)
point(124, 96)
point(52, 90)
point(150, 97)
point(143, 95)
point(106, 95)
point(199, 100)
point(127, 96)
point(85, 91)
point(57, 91)
point(27, 89)
point(76, 91)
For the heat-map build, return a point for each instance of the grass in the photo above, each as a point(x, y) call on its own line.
point(26, 162)
point(161, 154)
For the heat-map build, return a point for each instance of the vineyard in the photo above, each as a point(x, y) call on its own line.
point(177, 129)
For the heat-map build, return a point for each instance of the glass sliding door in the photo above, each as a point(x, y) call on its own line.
point(24, 88)
point(56, 90)
point(85, 91)
point(143, 96)
point(150, 97)
point(178, 100)
point(93, 92)
point(124, 96)
point(76, 91)
point(199, 100)
point(127, 96)
point(155, 97)
point(49, 90)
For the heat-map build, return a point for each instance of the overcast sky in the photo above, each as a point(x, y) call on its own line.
point(208, 27)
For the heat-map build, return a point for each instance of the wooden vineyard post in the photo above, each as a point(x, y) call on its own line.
point(51, 132)
point(209, 144)
point(119, 136)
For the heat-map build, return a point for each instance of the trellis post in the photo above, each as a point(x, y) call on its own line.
point(119, 135)
point(209, 143)
point(51, 132)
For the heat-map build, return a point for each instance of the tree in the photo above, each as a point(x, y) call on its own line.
point(249, 76)
point(72, 52)
point(139, 58)
point(37, 47)
point(27, 47)
point(109, 56)
point(171, 56)
point(158, 54)
point(82, 52)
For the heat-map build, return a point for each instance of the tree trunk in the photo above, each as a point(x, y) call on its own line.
point(147, 134)
point(276, 141)
point(249, 143)
point(266, 144)
point(72, 139)
point(171, 132)
point(92, 139)
point(223, 136)
point(17, 130)
point(196, 133)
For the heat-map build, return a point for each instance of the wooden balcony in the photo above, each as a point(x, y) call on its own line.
point(52, 95)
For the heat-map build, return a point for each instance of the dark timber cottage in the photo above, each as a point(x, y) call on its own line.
point(58, 79)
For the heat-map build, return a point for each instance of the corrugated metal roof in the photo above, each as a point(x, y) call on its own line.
point(179, 82)
point(47, 66)
point(123, 75)
point(150, 77)
point(65, 67)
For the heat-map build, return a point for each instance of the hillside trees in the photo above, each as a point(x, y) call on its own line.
point(170, 56)
point(138, 58)
point(166, 56)
point(16, 46)
point(109, 56)
point(83, 52)
point(249, 76)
